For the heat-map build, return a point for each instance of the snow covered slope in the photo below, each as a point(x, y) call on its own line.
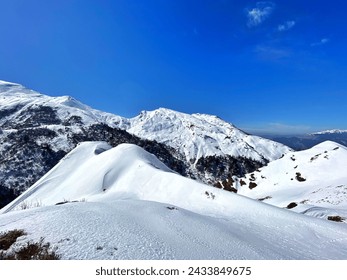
point(200, 135)
point(128, 205)
point(315, 180)
point(96, 172)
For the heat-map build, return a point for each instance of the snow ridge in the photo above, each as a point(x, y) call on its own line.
point(128, 205)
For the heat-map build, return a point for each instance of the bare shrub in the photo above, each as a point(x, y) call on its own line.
point(9, 238)
point(28, 205)
point(29, 251)
point(336, 218)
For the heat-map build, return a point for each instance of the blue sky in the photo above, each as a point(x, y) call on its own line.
point(266, 66)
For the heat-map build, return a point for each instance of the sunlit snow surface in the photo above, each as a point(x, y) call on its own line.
point(314, 179)
point(15, 95)
point(131, 206)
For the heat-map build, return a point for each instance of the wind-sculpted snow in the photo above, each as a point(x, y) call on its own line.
point(123, 203)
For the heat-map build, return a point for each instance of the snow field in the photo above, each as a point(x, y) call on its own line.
point(131, 206)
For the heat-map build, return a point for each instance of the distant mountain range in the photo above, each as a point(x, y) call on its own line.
point(303, 142)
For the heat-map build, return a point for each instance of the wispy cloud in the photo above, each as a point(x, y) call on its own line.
point(268, 52)
point(286, 26)
point(321, 42)
point(259, 13)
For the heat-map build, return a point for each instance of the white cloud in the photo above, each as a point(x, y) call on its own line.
point(286, 26)
point(321, 42)
point(260, 13)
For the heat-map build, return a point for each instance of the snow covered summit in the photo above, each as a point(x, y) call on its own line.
point(18, 104)
point(200, 135)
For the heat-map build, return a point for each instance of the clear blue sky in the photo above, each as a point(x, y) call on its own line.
point(266, 66)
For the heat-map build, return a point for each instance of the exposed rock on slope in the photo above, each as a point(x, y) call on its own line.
point(313, 181)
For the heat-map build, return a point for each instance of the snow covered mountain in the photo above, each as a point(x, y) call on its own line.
point(36, 131)
point(22, 108)
point(330, 131)
point(214, 148)
point(313, 182)
point(123, 203)
point(199, 135)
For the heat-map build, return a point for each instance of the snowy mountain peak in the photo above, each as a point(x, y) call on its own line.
point(5, 83)
point(330, 131)
point(328, 145)
point(202, 135)
point(71, 102)
point(19, 103)
point(8, 90)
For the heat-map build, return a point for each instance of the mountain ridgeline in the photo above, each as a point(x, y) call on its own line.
point(37, 131)
point(307, 141)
